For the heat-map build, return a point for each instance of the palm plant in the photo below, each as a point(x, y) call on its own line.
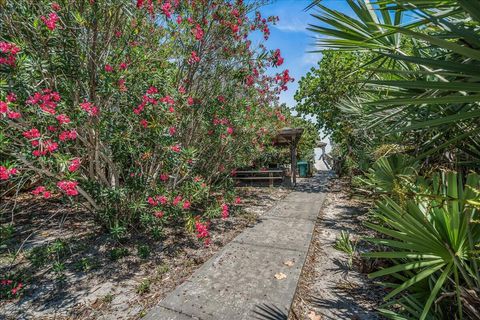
point(434, 239)
point(425, 81)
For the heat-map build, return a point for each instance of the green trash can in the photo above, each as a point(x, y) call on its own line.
point(302, 168)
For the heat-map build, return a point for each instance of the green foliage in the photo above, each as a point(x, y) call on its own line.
point(433, 238)
point(143, 251)
point(345, 244)
point(118, 253)
point(416, 110)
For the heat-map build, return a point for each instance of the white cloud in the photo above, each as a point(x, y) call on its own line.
point(310, 58)
point(291, 26)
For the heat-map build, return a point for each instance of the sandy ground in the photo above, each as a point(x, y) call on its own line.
point(329, 288)
point(84, 281)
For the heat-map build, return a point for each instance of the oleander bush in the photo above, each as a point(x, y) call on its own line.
point(136, 110)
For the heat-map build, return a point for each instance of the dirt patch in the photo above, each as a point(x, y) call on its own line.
point(71, 269)
point(331, 287)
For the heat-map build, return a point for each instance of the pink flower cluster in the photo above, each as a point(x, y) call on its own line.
point(198, 32)
point(41, 190)
point(225, 210)
point(148, 98)
point(9, 53)
point(47, 100)
point(283, 79)
point(89, 108)
point(194, 58)
point(8, 282)
point(74, 165)
point(202, 231)
point(68, 135)
point(163, 200)
point(63, 119)
point(5, 173)
point(47, 146)
point(277, 58)
point(69, 187)
point(50, 21)
point(5, 109)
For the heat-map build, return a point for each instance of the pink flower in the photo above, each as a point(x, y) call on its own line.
point(31, 134)
point(63, 119)
point(108, 68)
point(144, 123)
point(152, 90)
point(88, 107)
point(238, 200)
point(10, 50)
point(50, 146)
point(13, 115)
point(56, 6)
point(3, 107)
point(123, 66)
point(225, 210)
point(186, 205)
point(162, 199)
point(194, 58)
point(230, 130)
point(17, 288)
point(152, 201)
point(198, 32)
point(41, 190)
point(74, 165)
point(51, 21)
point(277, 59)
point(167, 9)
point(5, 173)
point(159, 214)
point(69, 187)
point(179, 19)
point(68, 135)
point(190, 101)
point(164, 177)
point(172, 131)
point(176, 200)
point(202, 230)
point(11, 97)
point(46, 100)
point(182, 90)
point(176, 148)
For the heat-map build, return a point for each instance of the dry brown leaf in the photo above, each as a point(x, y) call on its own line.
point(289, 263)
point(280, 276)
point(313, 316)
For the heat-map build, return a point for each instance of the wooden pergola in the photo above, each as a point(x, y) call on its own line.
point(290, 137)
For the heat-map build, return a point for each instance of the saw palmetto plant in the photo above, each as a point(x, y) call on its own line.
point(422, 91)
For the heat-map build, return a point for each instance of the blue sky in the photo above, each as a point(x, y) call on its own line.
point(293, 39)
point(291, 36)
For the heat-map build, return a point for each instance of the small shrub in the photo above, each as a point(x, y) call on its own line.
point(344, 244)
point(143, 251)
point(144, 287)
point(118, 253)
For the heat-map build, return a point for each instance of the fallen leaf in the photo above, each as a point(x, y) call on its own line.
point(289, 263)
point(313, 316)
point(280, 276)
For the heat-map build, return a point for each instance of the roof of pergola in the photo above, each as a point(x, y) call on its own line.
point(288, 135)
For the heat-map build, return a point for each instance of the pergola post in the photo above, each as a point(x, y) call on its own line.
point(293, 162)
point(290, 137)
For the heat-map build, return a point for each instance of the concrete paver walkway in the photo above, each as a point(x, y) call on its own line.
point(239, 281)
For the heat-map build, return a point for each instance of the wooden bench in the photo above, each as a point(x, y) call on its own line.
point(260, 175)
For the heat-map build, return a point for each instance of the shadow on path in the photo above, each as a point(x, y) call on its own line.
point(269, 312)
